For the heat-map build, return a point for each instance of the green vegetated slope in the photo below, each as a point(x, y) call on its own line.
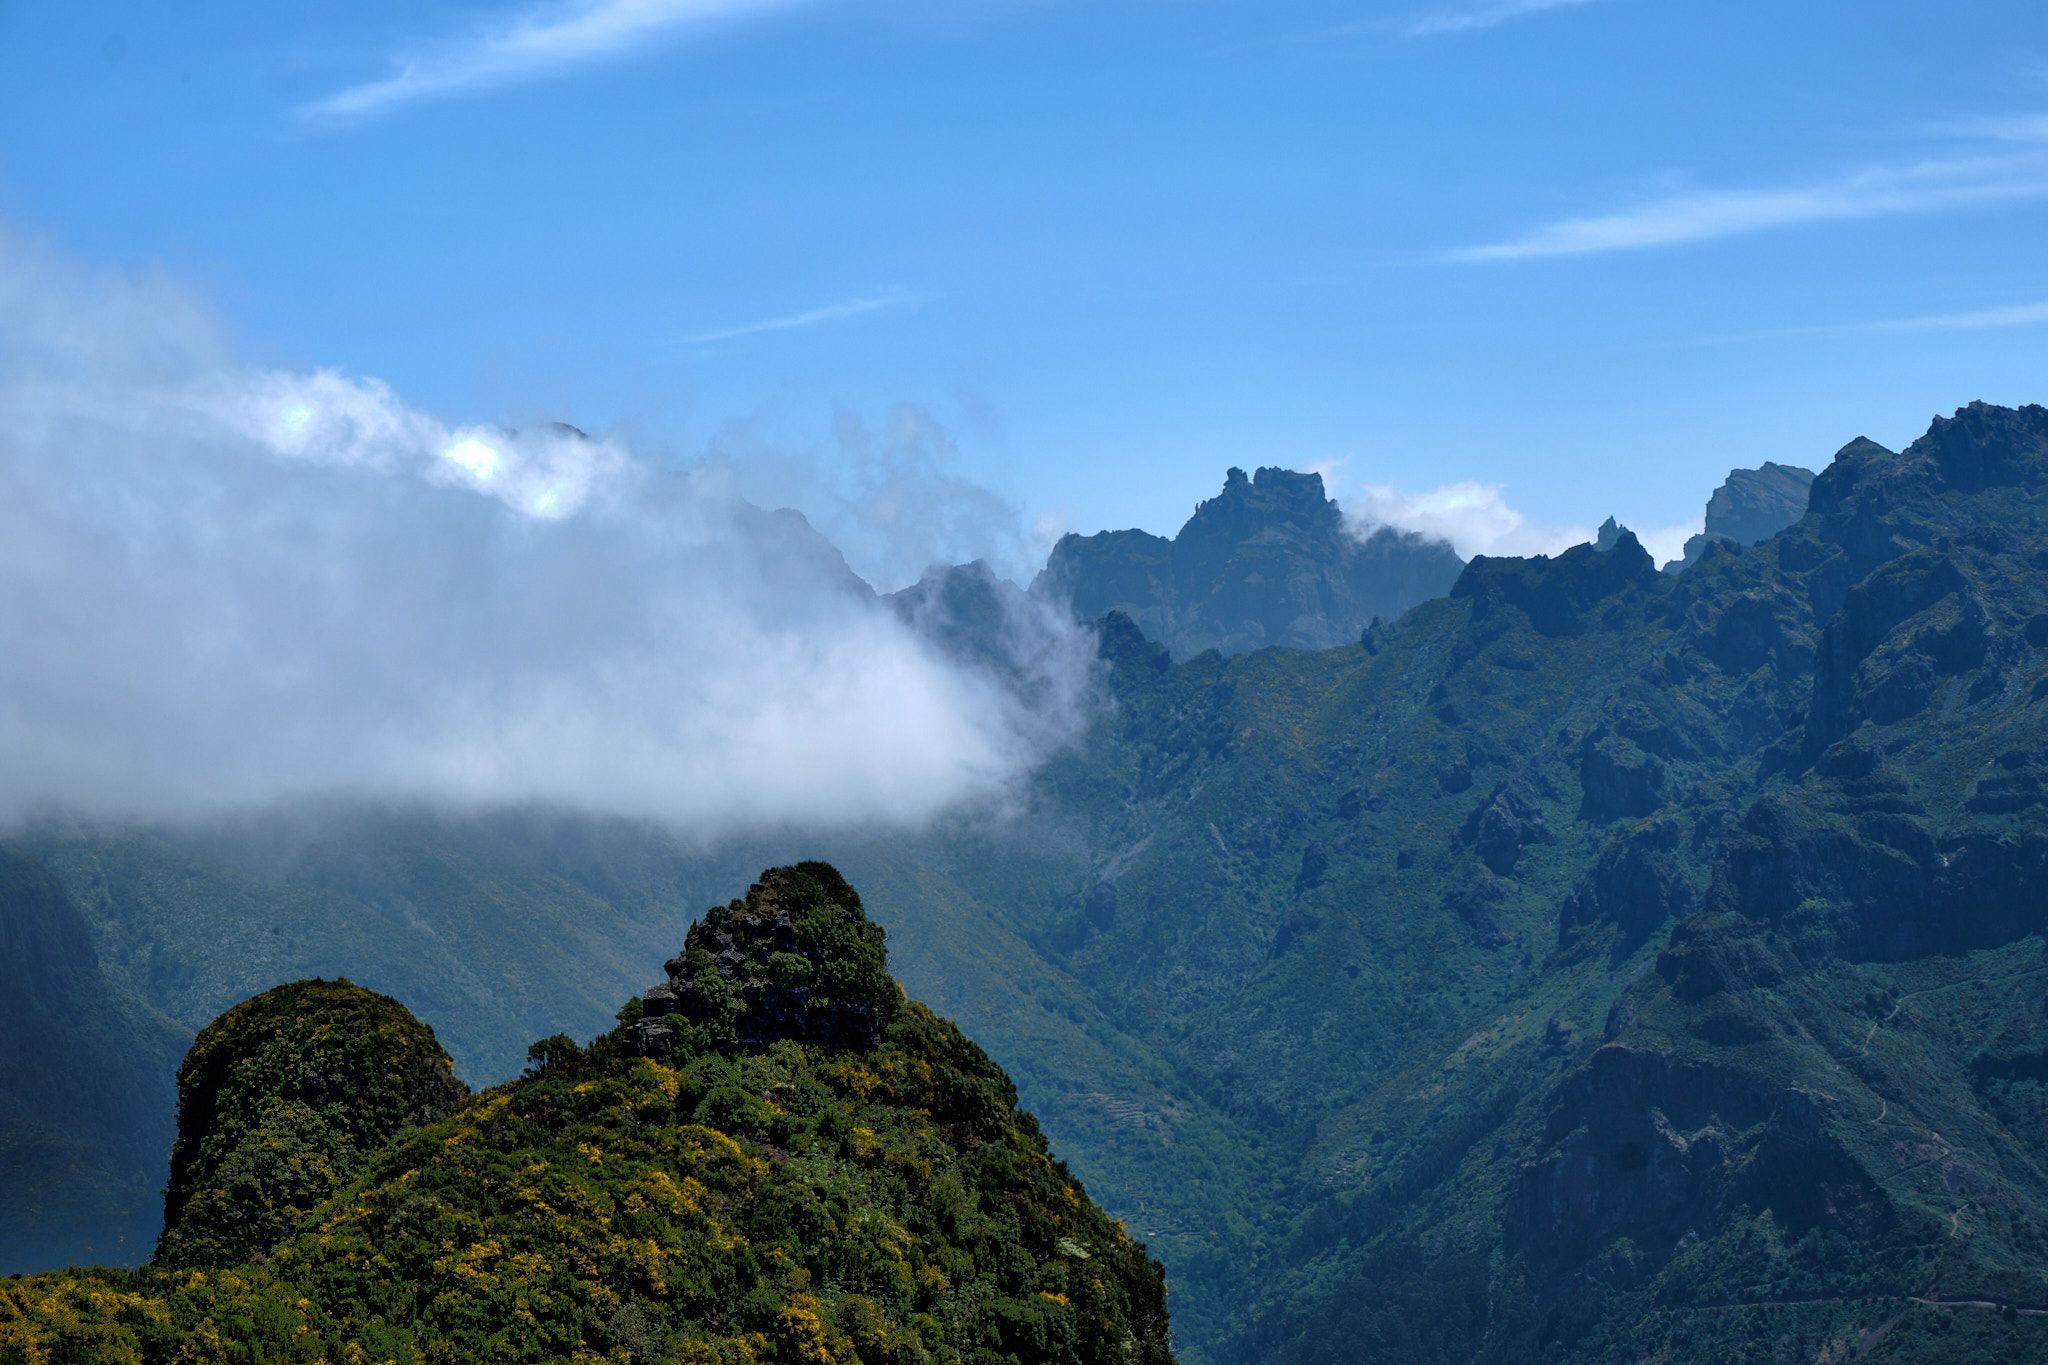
point(1617, 951)
point(85, 1088)
point(526, 924)
point(788, 1161)
point(1593, 965)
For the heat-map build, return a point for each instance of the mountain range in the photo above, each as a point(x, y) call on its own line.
point(1587, 963)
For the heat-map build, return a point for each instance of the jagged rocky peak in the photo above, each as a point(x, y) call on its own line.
point(1268, 561)
point(1750, 507)
point(1609, 535)
point(797, 958)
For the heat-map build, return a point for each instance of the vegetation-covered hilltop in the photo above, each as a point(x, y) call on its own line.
point(797, 1165)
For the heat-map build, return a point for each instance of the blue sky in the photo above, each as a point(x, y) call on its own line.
point(1084, 256)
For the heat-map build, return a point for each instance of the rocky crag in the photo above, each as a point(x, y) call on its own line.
point(1751, 507)
point(1646, 966)
point(1266, 562)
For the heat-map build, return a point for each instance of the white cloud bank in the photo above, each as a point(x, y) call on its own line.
point(534, 42)
point(1477, 519)
point(222, 587)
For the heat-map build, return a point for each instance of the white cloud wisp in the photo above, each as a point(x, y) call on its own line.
point(880, 300)
point(223, 587)
point(533, 43)
point(1880, 192)
point(1477, 19)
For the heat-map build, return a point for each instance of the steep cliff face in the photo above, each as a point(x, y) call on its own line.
point(1649, 966)
point(1750, 507)
point(1266, 562)
point(85, 1081)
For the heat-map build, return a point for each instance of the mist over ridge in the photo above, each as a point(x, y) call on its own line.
point(230, 586)
point(224, 587)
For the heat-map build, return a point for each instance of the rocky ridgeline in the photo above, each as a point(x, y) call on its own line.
point(1268, 561)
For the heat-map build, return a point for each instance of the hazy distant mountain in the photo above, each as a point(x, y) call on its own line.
point(1750, 508)
point(85, 1088)
point(1266, 562)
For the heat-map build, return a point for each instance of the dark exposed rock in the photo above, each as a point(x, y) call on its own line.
point(1870, 880)
point(1710, 953)
point(1638, 882)
point(1315, 864)
point(1475, 900)
point(1556, 594)
point(1100, 906)
point(1755, 504)
point(1618, 778)
point(1868, 668)
point(797, 958)
point(1268, 561)
point(1659, 1150)
point(1500, 827)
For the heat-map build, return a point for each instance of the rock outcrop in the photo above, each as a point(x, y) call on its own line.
point(1751, 507)
point(797, 958)
point(1269, 561)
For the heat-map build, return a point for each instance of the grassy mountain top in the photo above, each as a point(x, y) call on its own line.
point(767, 1200)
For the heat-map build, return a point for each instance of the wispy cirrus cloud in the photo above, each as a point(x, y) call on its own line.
point(1477, 18)
point(1442, 22)
point(1973, 320)
point(1980, 320)
point(530, 43)
point(1929, 186)
point(886, 298)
